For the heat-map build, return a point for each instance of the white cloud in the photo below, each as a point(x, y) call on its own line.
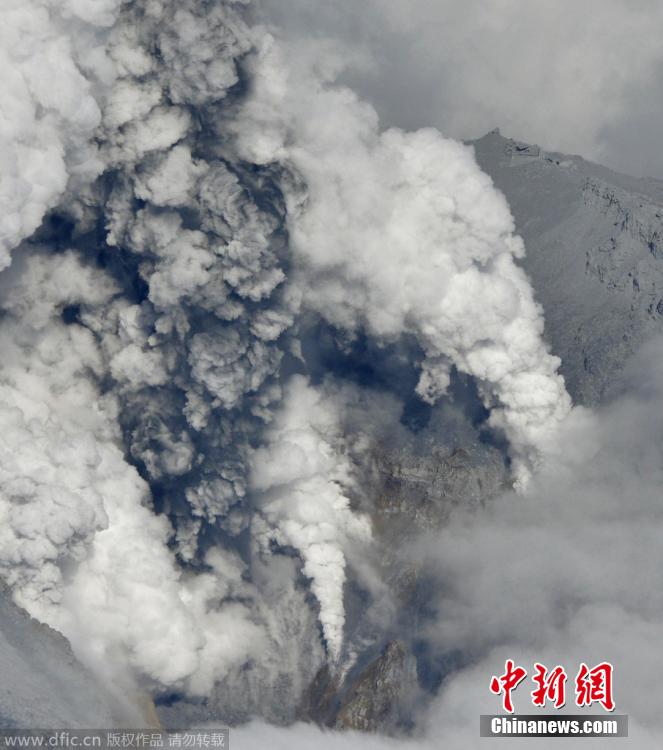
point(566, 573)
point(49, 106)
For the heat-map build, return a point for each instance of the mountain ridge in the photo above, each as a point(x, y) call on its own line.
point(594, 251)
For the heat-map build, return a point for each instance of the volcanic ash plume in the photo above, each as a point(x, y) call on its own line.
point(401, 233)
point(171, 468)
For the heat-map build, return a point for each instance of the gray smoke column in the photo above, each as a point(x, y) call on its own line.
point(401, 233)
point(81, 547)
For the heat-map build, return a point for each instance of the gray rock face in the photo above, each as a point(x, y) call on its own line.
point(379, 694)
point(371, 699)
point(417, 492)
point(43, 685)
point(594, 242)
point(413, 486)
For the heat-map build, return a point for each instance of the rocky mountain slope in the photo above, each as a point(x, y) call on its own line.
point(594, 241)
point(44, 686)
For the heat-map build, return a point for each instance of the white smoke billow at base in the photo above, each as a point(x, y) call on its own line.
point(69, 496)
point(241, 189)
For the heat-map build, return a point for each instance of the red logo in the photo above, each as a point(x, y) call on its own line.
point(550, 686)
point(595, 686)
point(508, 682)
point(592, 685)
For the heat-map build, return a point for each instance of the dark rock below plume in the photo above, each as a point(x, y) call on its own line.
point(371, 699)
point(412, 491)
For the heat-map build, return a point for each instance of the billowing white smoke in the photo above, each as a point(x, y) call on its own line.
point(68, 497)
point(402, 233)
point(84, 550)
point(303, 475)
point(396, 234)
point(49, 467)
point(50, 54)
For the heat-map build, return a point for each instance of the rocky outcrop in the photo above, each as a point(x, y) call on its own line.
point(380, 694)
point(413, 487)
point(374, 698)
point(417, 492)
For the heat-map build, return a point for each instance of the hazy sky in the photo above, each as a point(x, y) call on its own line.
point(579, 77)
